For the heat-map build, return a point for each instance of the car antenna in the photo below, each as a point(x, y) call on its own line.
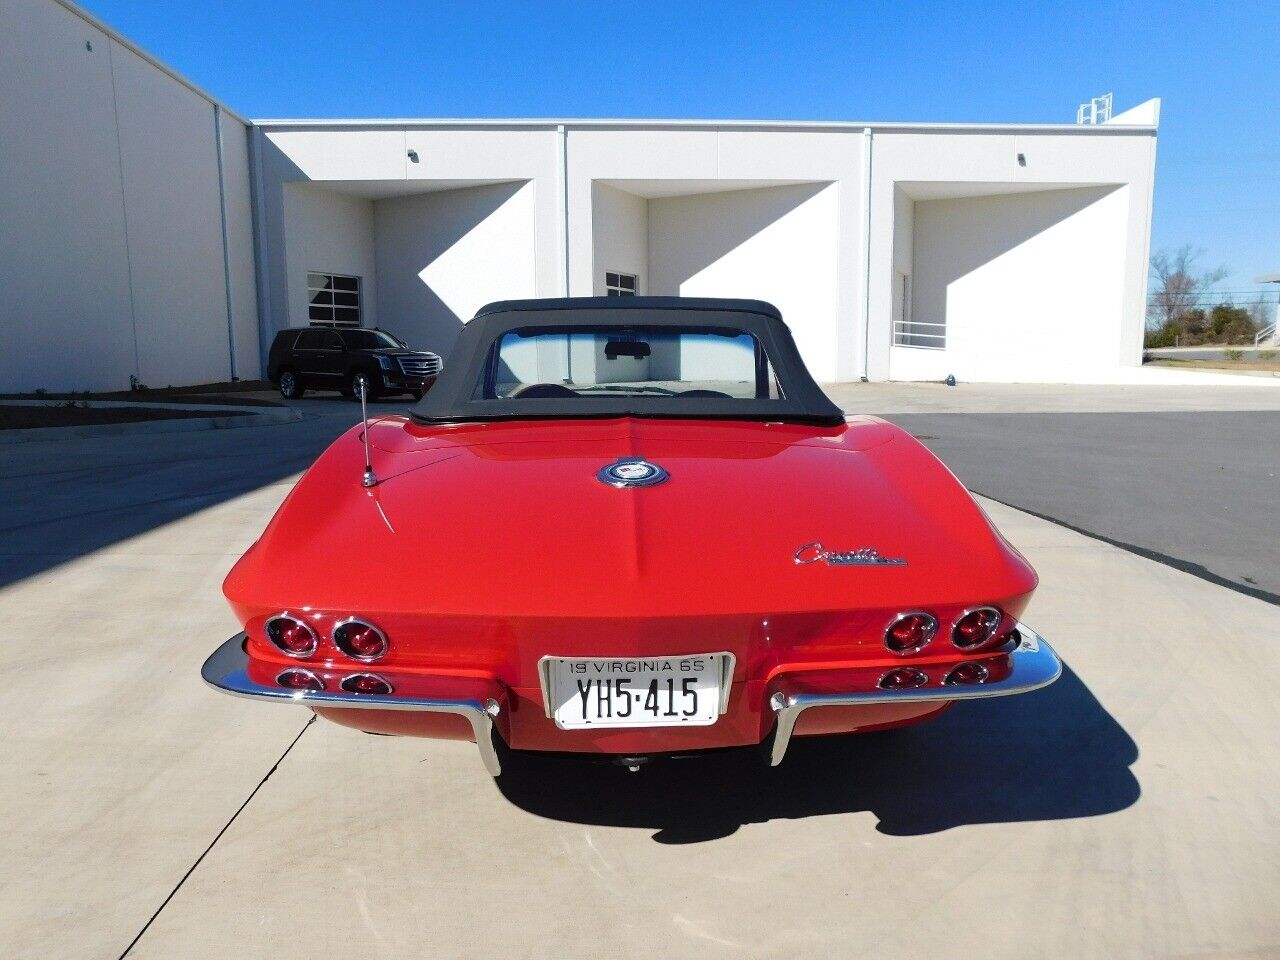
point(370, 478)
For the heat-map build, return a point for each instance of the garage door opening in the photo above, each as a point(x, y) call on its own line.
point(1001, 282)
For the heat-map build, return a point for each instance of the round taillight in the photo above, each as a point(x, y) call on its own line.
point(904, 678)
point(967, 674)
point(299, 679)
point(365, 683)
point(976, 627)
point(291, 636)
point(910, 632)
point(360, 640)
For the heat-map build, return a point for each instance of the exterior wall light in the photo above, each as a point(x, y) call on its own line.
point(413, 156)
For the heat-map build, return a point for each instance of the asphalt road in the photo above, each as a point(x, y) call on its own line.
point(1200, 491)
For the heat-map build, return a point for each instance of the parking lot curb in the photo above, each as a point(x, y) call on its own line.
point(229, 417)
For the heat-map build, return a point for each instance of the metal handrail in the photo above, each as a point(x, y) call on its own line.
point(1266, 333)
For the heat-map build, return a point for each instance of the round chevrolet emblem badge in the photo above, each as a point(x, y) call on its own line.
point(631, 472)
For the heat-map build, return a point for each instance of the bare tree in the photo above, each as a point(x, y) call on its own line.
point(1178, 288)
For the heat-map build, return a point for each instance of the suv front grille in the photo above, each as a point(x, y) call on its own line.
point(424, 365)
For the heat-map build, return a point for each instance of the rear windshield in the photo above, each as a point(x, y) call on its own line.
point(609, 361)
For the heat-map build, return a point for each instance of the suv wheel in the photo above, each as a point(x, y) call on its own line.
point(290, 387)
point(360, 382)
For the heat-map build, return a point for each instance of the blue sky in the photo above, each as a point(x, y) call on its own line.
point(1216, 67)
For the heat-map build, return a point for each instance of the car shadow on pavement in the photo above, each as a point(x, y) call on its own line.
point(1051, 755)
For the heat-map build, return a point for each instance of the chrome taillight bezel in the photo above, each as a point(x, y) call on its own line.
point(919, 678)
point(983, 675)
point(310, 674)
point(298, 654)
point(364, 693)
point(359, 622)
point(930, 634)
point(991, 634)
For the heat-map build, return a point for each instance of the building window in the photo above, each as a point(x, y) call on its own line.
point(620, 284)
point(333, 298)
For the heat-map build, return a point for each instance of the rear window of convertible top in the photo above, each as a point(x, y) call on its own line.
point(613, 361)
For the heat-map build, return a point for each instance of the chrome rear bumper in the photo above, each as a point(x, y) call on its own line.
point(227, 670)
point(1032, 663)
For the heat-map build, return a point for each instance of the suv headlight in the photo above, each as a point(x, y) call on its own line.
point(384, 363)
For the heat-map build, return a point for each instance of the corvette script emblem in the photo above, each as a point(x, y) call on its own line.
point(861, 557)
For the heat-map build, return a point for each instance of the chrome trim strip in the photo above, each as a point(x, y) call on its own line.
point(226, 670)
point(420, 365)
point(728, 664)
point(544, 674)
point(1033, 665)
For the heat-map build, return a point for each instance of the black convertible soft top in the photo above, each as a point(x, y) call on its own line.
point(452, 398)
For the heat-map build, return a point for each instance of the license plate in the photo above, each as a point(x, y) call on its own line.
point(590, 692)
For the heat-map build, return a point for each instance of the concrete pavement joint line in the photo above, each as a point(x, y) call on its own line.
point(247, 418)
point(138, 467)
point(117, 508)
point(225, 827)
point(1185, 566)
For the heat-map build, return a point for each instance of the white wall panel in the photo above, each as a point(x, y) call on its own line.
point(169, 157)
point(933, 164)
point(443, 255)
point(718, 215)
point(620, 236)
point(244, 297)
point(1030, 286)
point(110, 223)
point(328, 233)
point(664, 159)
point(68, 321)
point(776, 244)
point(355, 155)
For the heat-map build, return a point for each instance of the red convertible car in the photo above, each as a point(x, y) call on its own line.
point(628, 528)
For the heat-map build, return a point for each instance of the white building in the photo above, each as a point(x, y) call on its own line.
point(149, 231)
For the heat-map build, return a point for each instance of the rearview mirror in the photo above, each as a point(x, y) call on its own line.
point(638, 350)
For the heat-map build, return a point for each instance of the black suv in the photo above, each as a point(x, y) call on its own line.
point(348, 360)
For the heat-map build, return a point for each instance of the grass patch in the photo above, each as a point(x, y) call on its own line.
point(1233, 361)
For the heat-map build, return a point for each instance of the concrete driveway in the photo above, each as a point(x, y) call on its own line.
point(1124, 812)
